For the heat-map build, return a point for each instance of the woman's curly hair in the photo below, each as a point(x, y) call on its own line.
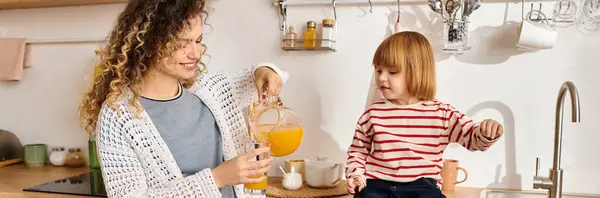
point(145, 35)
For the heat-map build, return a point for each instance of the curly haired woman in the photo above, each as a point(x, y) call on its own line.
point(165, 127)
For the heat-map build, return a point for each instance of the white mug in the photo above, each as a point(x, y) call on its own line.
point(536, 35)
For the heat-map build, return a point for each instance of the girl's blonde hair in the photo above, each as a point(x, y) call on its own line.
point(145, 35)
point(411, 53)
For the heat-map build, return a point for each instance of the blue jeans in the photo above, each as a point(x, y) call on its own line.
point(420, 188)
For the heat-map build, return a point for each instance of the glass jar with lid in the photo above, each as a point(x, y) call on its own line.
point(58, 156)
point(328, 33)
point(75, 158)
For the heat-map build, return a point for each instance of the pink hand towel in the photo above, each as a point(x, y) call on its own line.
point(12, 58)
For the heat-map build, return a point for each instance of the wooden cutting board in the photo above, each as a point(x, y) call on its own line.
point(10, 162)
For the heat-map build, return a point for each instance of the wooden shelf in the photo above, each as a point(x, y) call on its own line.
point(23, 4)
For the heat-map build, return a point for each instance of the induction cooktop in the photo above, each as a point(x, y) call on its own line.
point(87, 184)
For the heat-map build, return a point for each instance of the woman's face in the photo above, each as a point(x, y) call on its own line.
point(184, 61)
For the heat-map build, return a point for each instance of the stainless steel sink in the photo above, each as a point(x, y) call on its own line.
point(519, 194)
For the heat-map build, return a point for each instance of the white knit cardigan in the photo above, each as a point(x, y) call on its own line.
point(135, 160)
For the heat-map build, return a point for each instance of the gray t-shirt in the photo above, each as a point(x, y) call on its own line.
point(190, 131)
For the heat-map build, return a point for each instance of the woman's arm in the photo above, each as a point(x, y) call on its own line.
point(243, 83)
point(238, 89)
point(124, 174)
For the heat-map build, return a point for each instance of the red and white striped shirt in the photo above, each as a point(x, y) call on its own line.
point(402, 143)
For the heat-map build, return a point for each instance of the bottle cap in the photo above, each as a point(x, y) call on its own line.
point(328, 22)
point(311, 24)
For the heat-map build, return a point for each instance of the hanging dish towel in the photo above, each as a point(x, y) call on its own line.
point(12, 58)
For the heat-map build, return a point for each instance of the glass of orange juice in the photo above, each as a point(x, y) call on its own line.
point(259, 188)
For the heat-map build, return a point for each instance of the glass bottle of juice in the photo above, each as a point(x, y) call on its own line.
point(310, 36)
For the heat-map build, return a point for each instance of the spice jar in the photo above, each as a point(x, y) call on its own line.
point(75, 158)
point(310, 36)
point(290, 37)
point(328, 34)
point(58, 156)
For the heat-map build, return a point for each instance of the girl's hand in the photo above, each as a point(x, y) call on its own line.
point(240, 171)
point(491, 129)
point(357, 181)
point(268, 82)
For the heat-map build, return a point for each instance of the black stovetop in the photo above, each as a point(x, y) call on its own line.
point(87, 184)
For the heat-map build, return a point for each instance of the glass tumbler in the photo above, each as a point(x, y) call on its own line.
point(456, 34)
point(589, 17)
point(259, 188)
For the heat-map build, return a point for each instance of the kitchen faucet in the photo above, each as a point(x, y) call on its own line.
point(553, 183)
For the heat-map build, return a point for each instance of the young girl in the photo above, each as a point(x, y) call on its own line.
point(399, 140)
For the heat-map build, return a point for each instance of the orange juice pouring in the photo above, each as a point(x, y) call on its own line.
point(284, 140)
point(276, 124)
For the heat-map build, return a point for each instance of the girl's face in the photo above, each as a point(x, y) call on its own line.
point(391, 84)
point(184, 61)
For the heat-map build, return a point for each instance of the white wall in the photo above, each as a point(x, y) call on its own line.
point(42, 107)
point(329, 90)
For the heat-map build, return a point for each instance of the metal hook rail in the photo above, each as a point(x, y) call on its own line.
point(283, 5)
point(541, 17)
point(348, 2)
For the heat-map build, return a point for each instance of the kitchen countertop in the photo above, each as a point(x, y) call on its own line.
point(459, 192)
point(16, 177)
point(13, 179)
